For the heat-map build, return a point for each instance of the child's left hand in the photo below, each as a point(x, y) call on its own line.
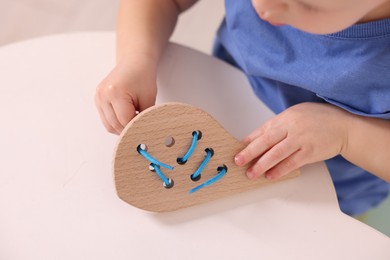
point(302, 134)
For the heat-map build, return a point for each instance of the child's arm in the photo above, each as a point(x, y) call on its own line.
point(312, 132)
point(368, 145)
point(143, 29)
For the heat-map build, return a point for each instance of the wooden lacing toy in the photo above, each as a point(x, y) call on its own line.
point(174, 156)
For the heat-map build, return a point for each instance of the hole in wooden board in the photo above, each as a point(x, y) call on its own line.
point(169, 141)
point(142, 147)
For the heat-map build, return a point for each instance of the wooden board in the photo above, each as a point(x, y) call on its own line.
point(137, 185)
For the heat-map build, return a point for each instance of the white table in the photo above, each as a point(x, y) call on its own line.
point(57, 197)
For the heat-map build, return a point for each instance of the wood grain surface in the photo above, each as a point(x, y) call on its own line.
point(137, 185)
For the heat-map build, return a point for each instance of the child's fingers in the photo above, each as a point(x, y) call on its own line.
point(272, 157)
point(255, 134)
point(102, 116)
point(291, 163)
point(146, 101)
point(111, 117)
point(124, 110)
point(105, 122)
point(259, 146)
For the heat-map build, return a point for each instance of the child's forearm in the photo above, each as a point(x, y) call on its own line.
point(144, 27)
point(369, 145)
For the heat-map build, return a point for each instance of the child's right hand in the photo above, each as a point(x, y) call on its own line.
point(130, 87)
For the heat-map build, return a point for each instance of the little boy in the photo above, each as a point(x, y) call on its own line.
point(322, 65)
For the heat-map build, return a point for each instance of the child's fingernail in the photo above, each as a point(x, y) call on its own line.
point(250, 174)
point(239, 160)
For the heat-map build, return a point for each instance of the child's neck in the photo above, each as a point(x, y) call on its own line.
point(380, 12)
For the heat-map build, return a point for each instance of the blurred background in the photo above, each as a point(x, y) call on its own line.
point(25, 19)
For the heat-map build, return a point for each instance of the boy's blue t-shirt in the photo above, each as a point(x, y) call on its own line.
point(285, 66)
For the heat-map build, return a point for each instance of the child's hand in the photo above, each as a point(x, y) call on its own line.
point(130, 87)
point(302, 134)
